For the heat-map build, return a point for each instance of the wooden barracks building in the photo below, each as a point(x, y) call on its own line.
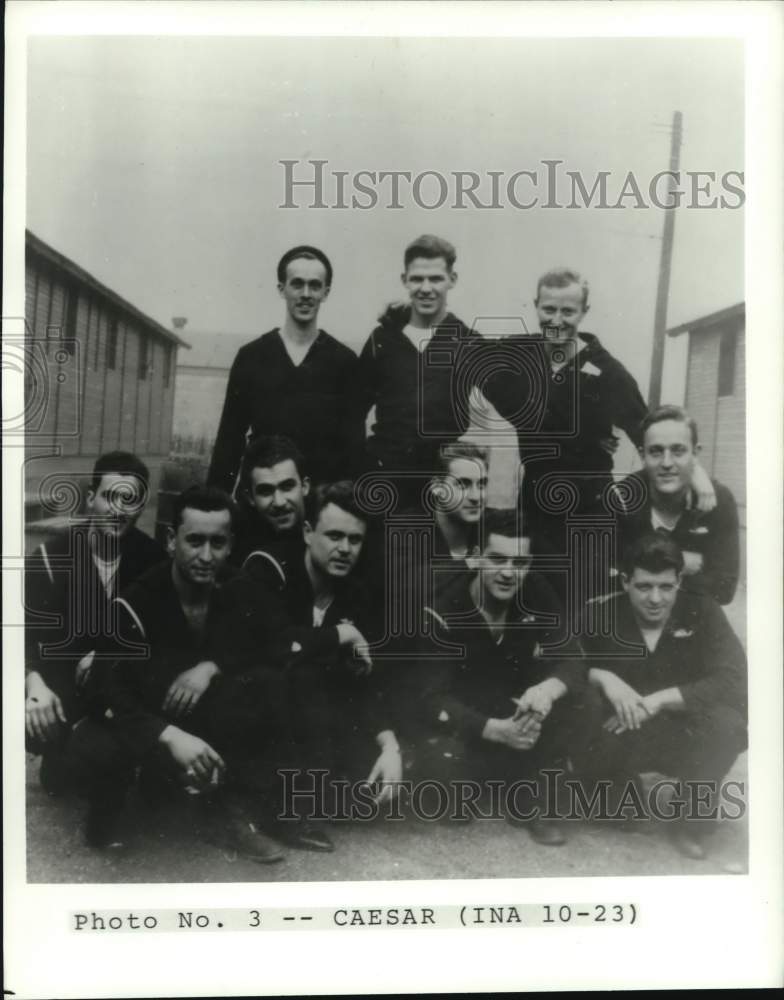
point(99, 375)
point(716, 394)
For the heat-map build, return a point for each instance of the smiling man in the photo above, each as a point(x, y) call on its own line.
point(72, 579)
point(708, 540)
point(273, 490)
point(679, 710)
point(504, 709)
point(295, 380)
point(411, 371)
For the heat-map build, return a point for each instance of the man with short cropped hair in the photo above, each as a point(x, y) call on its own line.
point(70, 583)
point(679, 709)
point(197, 703)
point(324, 615)
point(295, 380)
point(273, 489)
point(665, 501)
point(502, 709)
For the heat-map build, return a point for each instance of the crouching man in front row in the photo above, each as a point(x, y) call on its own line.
point(507, 708)
point(677, 709)
point(191, 697)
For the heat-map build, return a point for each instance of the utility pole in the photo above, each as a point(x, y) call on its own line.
point(665, 265)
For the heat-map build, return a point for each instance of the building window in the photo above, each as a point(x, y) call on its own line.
point(167, 360)
point(727, 351)
point(144, 364)
point(111, 344)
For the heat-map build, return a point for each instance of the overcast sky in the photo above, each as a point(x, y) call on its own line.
point(153, 163)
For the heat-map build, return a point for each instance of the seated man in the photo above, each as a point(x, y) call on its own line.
point(197, 708)
point(506, 708)
point(70, 583)
point(322, 614)
point(708, 540)
point(273, 487)
point(680, 709)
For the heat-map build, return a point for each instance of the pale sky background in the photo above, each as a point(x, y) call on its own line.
point(153, 163)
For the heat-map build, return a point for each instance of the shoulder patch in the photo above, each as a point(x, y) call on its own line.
point(590, 369)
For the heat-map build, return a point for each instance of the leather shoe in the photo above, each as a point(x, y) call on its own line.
point(303, 835)
point(243, 837)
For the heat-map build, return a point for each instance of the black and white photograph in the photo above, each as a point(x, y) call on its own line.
point(386, 481)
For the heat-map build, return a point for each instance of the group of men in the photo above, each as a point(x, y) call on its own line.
point(294, 628)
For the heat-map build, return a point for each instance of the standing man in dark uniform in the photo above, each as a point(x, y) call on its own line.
point(295, 380)
point(72, 580)
point(409, 369)
point(506, 708)
point(664, 500)
point(679, 710)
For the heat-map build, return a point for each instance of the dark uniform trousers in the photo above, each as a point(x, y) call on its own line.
point(561, 747)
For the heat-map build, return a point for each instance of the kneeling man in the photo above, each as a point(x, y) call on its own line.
point(508, 707)
point(679, 709)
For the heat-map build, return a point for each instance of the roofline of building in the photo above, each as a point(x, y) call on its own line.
point(37, 245)
point(739, 309)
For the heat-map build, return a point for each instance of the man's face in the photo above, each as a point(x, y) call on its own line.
point(278, 495)
point(560, 311)
point(116, 504)
point(427, 281)
point(669, 456)
point(335, 541)
point(201, 544)
point(304, 289)
point(464, 487)
point(503, 566)
point(652, 595)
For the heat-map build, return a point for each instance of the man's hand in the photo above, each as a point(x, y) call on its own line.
point(629, 706)
point(43, 709)
point(539, 698)
point(517, 734)
point(350, 637)
point(703, 487)
point(388, 768)
point(83, 668)
point(195, 758)
point(186, 689)
point(692, 563)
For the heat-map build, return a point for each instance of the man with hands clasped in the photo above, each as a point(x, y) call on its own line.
point(506, 708)
point(676, 706)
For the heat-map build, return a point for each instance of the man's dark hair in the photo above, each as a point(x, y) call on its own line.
point(268, 450)
point(669, 412)
point(341, 494)
point(652, 552)
point(430, 247)
point(447, 454)
point(204, 498)
point(119, 463)
point(309, 253)
point(505, 521)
